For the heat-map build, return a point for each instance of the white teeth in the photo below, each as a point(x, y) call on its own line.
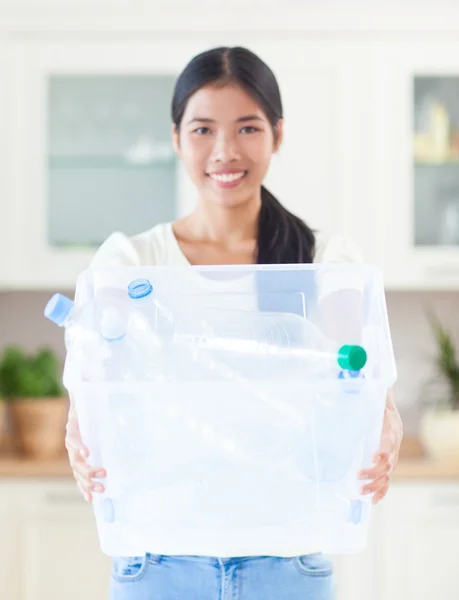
point(227, 178)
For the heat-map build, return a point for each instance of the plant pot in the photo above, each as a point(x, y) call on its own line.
point(39, 426)
point(3, 409)
point(439, 430)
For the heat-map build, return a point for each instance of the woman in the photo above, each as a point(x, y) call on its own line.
point(227, 123)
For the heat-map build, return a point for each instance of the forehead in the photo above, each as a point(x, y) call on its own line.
point(221, 103)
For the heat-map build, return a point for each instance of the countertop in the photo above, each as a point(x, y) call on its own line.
point(412, 465)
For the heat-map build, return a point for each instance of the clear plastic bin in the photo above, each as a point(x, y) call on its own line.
point(238, 431)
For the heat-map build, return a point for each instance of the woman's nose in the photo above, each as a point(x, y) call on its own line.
point(225, 149)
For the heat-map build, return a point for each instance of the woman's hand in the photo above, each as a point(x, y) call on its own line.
point(387, 457)
point(78, 453)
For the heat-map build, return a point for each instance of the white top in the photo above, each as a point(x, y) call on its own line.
point(158, 246)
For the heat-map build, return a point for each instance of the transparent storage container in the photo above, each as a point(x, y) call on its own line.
point(237, 424)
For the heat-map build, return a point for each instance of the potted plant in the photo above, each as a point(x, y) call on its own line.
point(3, 406)
point(31, 384)
point(439, 426)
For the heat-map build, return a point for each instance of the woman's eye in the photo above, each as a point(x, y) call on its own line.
point(249, 129)
point(202, 130)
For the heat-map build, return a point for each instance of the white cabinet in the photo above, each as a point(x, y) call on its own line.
point(71, 136)
point(48, 544)
point(414, 198)
point(421, 542)
point(5, 204)
point(347, 163)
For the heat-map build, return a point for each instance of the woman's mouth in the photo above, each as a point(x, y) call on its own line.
point(227, 179)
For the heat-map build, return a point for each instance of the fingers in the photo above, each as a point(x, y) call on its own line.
point(86, 494)
point(88, 485)
point(84, 475)
point(78, 453)
point(382, 467)
point(381, 484)
point(87, 472)
point(75, 447)
point(379, 495)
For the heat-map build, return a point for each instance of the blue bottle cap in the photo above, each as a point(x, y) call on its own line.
point(58, 308)
point(139, 288)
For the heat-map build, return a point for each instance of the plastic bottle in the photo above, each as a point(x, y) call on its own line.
point(251, 335)
point(95, 339)
point(151, 324)
point(143, 299)
point(80, 335)
point(117, 352)
point(61, 310)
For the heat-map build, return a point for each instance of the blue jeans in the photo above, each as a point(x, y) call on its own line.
point(161, 577)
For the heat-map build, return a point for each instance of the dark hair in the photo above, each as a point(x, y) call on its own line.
point(282, 237)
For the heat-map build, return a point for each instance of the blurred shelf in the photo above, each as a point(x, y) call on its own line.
point(426, 469)
point(108, 162)
point(11, 466)
point(410, 467)
point(431, 165)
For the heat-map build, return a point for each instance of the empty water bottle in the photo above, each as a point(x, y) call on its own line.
point(117, 353)
point(143, 298)
point(80, 335)
point(254, 335)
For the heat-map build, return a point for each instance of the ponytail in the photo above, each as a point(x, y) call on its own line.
point(283, 238)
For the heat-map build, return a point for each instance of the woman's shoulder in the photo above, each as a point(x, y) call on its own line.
point(335, 248)
point(145, 248)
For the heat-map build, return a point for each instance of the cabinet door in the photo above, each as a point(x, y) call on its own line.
point(5, 249)
point(421, 542)
point(90, 149)
point(53, 548)
point(321, 172)
point(415, 151)
point(7, 533)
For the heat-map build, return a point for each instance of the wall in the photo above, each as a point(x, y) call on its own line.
point(22, 321)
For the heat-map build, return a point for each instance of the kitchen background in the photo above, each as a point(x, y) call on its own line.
point(371, 103)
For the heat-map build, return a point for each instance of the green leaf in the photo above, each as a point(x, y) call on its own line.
point(30, 375)
point(446, 361)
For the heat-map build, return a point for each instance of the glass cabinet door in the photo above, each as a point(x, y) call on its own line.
point(111, 165)
point(436, 152)
point(90, 149)
point(415, 148)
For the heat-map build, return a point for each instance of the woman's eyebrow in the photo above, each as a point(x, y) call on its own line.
point(200, 120)
point(249, 118)
point(239, 120)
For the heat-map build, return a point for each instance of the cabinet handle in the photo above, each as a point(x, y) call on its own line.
point(437, 271)
point(64, 498)
point(445, 500)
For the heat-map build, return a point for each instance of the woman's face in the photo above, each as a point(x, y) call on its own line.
point(226, 143)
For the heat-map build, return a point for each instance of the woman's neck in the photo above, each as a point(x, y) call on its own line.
point(224, 225)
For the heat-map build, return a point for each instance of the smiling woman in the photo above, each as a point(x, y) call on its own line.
point(227, 122)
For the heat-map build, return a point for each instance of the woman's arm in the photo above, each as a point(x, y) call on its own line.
point(387, 457)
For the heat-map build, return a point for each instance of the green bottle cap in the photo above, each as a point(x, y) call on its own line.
point(352, 358)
